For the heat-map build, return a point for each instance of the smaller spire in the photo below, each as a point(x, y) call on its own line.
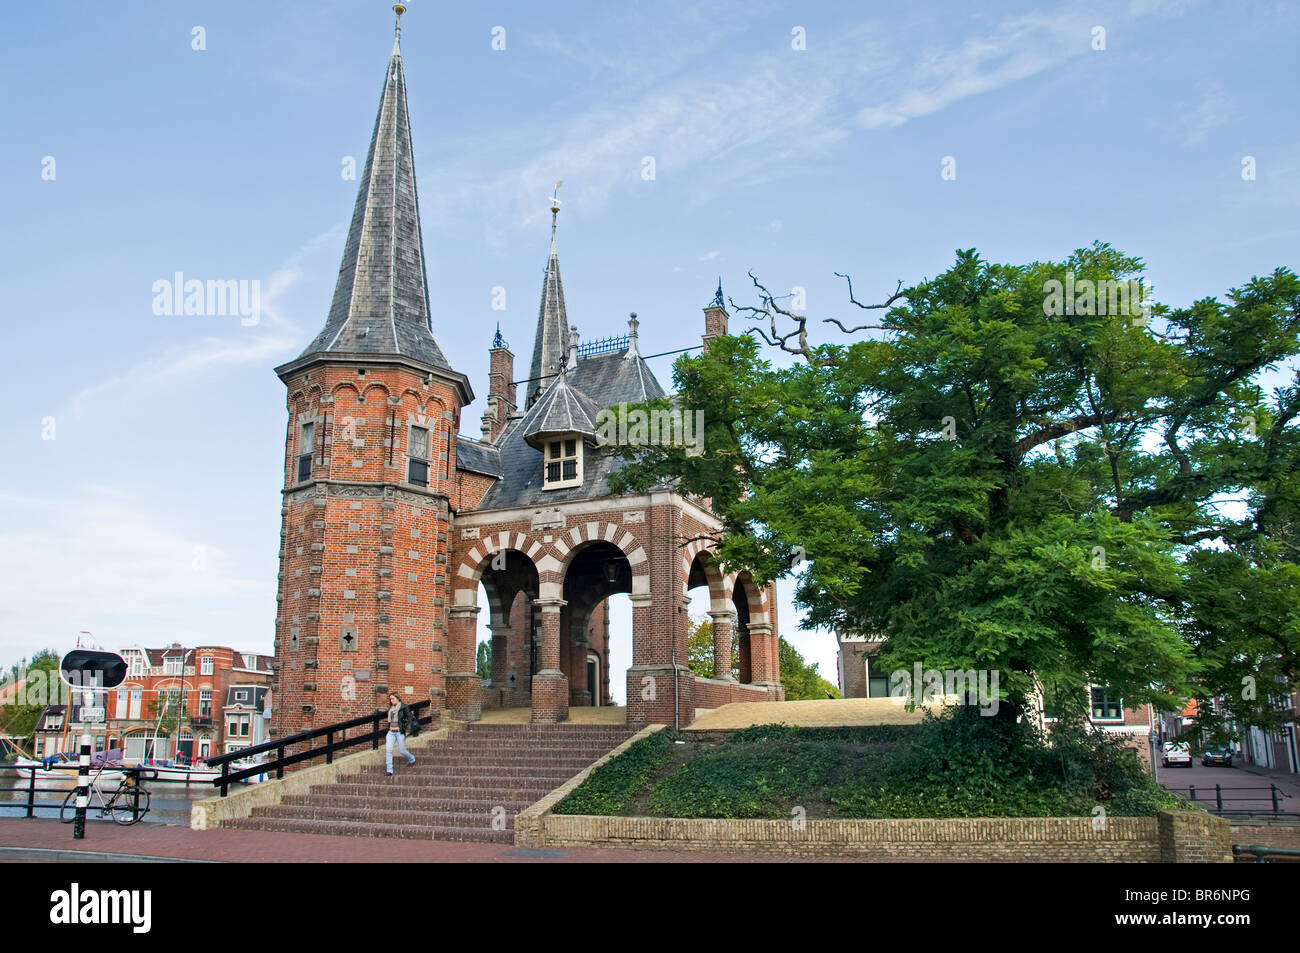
point(497, 339)
point(397, 31)
point(718, 301)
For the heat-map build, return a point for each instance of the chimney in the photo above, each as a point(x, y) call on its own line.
point(715, 317)
point(501, 389)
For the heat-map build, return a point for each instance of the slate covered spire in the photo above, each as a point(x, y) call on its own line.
point(550, 346)
point(381, 299)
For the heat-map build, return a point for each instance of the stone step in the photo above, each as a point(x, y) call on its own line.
point(432, 774)
point(516, 791)
point(511, 728)
point(362, 829)
point(488, 743)
point(462, 765)
point(389, 802)
point(384, 814)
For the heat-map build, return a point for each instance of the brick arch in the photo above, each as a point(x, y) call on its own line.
point(756, 597)
point(376, 385)
point(578, 538)
point(342, 386)
point(469, 570)
point(719, 589)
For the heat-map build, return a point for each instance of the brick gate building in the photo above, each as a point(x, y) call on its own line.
point(392, 519)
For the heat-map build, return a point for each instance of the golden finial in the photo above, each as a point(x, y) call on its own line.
point(555, 200)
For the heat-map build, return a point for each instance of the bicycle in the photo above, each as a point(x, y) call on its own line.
point(126, 805)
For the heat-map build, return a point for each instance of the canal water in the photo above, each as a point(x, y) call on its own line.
point(168, 803)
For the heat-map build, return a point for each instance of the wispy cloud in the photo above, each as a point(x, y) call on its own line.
point(1194, 123)
point(746, 116)
point(259, 345)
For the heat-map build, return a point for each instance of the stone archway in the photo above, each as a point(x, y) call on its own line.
point(595, 571)
point(505, 567)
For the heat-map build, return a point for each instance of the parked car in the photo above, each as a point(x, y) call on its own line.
point(1176, 752)
point(1217, 756)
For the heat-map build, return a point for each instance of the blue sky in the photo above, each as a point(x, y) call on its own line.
point(153, 514)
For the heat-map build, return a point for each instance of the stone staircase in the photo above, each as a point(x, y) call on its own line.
point(453, 792)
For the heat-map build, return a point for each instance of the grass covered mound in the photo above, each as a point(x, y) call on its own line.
point(610, 788)
point(956, 765)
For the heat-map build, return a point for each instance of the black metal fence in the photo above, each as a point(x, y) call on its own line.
point(1215, 801)
point(336, 737)
point(28, 789)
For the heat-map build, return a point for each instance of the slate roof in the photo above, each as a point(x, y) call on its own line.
point(256, 694)
point(560, 409)
point(476, 457)
point(381, 300)
point(602, 380)
point(552, 339)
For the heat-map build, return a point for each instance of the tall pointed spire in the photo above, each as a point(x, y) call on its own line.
point(552, 340)
point(381, 300)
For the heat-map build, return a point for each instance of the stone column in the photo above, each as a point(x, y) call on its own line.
point(500, 650)
point(763, 658)
point(550, 687)
point(724, 623)
point(464, 687)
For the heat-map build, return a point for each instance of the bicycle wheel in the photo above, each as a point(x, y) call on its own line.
point(68, 812)
point(122, 808)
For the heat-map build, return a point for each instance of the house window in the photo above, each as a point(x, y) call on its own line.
point(1105, 707)
point(306, 444)
point(205, 665)
point(121, 705)
point(171, 666)
point(563, 463)
point(137, 664)
point(205, 703)
point(241, 696)
point(417, 467)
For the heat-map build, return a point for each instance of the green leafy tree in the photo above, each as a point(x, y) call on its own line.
point(20, 721)
point(992, 481)
point(699, 643)
point(483, 661)
point(800, 679)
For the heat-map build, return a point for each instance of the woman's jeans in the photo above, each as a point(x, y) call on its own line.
point(400, 739)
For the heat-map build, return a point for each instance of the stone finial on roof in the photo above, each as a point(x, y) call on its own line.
point(632, 325)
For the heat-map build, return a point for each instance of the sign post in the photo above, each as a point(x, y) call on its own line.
point(87, 672)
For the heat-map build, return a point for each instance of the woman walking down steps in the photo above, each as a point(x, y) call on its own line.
point(401, 721)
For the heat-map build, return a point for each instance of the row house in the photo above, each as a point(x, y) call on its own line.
point(860, 676)
point(175, 700)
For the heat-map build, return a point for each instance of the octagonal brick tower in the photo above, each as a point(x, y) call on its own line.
point(369, 466)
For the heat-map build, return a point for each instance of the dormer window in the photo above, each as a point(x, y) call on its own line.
point(305, 448)
point(563, 463)
point(417, 466)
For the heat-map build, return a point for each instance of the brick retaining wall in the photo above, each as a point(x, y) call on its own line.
point(1175, 836)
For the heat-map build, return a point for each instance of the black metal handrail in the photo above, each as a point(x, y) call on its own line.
point(1263, 854)
point(1275, 794)
point(335, 736)
point(30, 788)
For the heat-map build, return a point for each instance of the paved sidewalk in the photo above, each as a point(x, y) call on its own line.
point(174, 842)
point(813, 713)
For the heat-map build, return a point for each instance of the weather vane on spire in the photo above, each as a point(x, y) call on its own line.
point(555, 204)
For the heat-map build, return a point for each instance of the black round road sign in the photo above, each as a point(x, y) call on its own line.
point(84, 668)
